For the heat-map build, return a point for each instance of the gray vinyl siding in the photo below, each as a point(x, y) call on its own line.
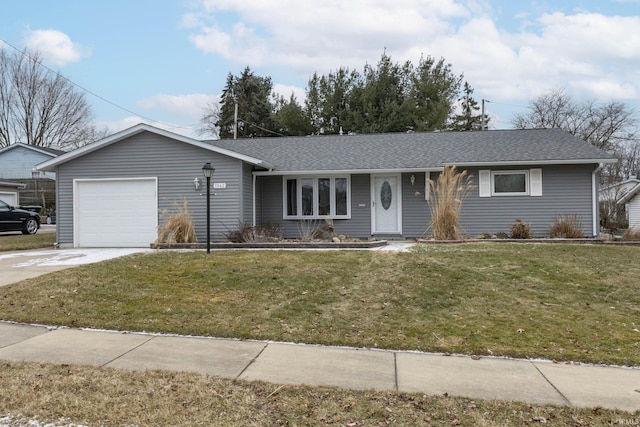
point(566, 190)
point(175, 164)
point(270, 200)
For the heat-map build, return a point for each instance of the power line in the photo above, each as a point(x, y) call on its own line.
point(89, 91)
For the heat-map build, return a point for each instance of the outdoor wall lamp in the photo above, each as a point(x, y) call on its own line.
point(413, 179)
point(207, 171)
point(196, 184)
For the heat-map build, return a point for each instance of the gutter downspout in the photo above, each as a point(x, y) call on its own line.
point(595, 204)
point(253, 200)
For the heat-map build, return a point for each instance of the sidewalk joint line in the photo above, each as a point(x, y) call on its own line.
point(553, 385)
point(252, 360)
point(127, 352)
point(395, 369)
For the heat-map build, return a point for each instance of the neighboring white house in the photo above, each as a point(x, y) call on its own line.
point(10, 192)
point(631, 199)
point(18, 163)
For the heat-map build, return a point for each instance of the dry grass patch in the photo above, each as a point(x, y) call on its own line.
point(555, 301)
point(631, 234)
point(19, 242)
point(64, 394)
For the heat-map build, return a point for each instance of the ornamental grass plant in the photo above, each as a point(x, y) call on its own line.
point(446, 194)
point(178, 228)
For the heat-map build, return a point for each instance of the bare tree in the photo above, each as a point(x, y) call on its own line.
point(38, 107)
point(611, 126)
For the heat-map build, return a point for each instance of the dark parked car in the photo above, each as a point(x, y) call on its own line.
point(51, 219)
point(14, 219)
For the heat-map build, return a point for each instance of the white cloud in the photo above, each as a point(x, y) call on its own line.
point(286, 91)
point(55, 47)
point(130, 121)
point(192, 105)
point(526, 53)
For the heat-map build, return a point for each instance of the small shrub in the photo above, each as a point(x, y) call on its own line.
point(312, 229)
point(178, 228)
point(502, 235)
point(520, 230)
point(566, 227)
point(254, 234)
point(631, 234)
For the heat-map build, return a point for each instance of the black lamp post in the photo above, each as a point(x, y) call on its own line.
point(207, 170)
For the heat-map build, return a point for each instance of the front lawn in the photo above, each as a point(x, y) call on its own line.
point(554, 301)
point(18, 242)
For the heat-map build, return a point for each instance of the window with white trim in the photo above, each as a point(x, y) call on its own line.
point(317, 197)
point(510, 182)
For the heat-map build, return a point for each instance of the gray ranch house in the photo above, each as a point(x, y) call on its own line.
point(117, 191)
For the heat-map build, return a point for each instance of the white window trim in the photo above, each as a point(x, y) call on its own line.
point(510, 172)
point(533, 182)
point(316, 206)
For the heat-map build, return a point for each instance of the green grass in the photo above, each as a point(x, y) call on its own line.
point(105, 397)
point(560, 302)
point(18, 242)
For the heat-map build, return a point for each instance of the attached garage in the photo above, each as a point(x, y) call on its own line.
point(9, 192)
point(8, 197)
point(115, 212)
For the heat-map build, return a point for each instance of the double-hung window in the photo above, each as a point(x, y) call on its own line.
point(526, 182)
point(317, 197)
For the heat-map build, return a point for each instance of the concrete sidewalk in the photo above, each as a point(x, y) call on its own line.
point(538, 382)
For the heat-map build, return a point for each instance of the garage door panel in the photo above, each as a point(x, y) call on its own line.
point(9, 198)
point(116, 213)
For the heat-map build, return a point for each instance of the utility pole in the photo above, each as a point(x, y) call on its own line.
point(482, 118)
point(235, 118)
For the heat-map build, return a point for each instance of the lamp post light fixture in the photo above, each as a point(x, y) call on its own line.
point(207, 170)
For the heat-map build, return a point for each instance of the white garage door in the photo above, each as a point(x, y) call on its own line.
point(9, 198)
point(115, 213)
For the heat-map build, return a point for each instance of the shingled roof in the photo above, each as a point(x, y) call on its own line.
point(415, 151)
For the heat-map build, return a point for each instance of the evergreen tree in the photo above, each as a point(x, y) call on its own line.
point(328, 100)
point(290, 117)
point(252, 94)
point(434, 89)
point(469, 119)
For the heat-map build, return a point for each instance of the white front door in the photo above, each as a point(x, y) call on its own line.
point(386, 205)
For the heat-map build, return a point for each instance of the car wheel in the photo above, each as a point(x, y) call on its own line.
point(49, 220)
point(30, 227)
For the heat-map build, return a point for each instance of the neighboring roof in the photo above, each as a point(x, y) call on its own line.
point(418, 151)
point(17, 185)
point(50, 165)
point(44, 150)
point(626, 197)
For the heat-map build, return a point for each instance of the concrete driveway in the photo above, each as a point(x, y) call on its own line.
point(21, 265)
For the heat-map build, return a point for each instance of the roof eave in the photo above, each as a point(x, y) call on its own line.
point(629, 195)
point(346, 171)
point(50, 165)
point(532, 162)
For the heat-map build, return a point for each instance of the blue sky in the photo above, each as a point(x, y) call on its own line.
point(162, 61)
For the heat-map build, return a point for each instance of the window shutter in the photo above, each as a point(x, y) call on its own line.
point(535, 177)
point(484, 185)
